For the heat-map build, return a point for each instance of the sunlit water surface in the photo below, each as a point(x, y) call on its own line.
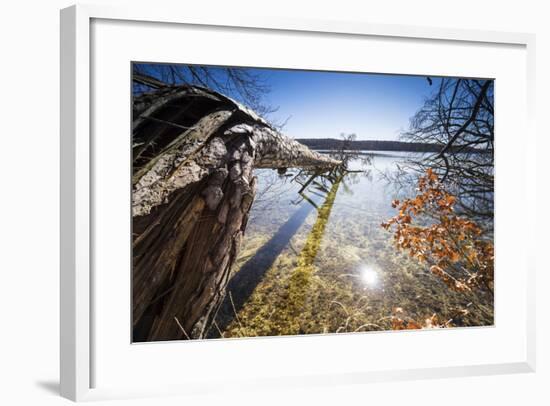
point(332, 268)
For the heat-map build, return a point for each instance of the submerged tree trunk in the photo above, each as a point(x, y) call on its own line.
point(241, 287)
point(193, 154)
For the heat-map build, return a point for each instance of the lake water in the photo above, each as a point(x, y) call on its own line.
point(321, 263)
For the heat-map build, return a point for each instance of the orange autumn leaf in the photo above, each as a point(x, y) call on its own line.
point(454, 246)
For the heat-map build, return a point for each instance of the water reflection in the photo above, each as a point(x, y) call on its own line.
point(336, 269)
point(369, 275)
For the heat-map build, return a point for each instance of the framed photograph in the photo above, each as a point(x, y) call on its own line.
point(278, 202)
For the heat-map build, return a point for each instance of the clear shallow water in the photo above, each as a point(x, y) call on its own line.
point(323, 263)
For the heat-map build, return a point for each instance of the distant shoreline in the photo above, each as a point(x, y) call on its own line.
point(328, 144)
point(379, 153)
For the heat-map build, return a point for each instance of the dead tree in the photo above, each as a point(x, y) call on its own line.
point(194, 151)
point(243, 84)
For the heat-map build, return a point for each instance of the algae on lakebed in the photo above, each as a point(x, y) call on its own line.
point(333, 269)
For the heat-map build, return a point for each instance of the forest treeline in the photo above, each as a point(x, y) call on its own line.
point(374, 145)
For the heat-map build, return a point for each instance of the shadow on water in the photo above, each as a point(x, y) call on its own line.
point(252, 272)
point(243, 284)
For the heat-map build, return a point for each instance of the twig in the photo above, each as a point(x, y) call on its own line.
point(367, 325)
point(235, 310)
point(165, 122)
point(181, 328)
point(472, 117)
point(221, 333)
point(341, 305)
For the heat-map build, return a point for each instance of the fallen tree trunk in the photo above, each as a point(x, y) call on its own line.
point(193, 155)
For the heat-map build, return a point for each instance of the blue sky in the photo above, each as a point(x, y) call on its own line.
point(325, 104)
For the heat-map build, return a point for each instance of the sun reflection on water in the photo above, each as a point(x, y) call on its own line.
point(369, 275)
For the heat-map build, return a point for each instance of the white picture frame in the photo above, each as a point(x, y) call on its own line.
point(77, 282)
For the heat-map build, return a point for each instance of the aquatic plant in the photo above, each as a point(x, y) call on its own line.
point(347, 276)
point(301, 276)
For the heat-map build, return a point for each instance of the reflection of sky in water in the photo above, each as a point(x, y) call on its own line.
point(367, 191)
point(353, 260)
point(362, 203)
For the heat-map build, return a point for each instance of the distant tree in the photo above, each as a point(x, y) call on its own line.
point(344, 152)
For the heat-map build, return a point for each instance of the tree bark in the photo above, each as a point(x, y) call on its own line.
point(193, 187)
